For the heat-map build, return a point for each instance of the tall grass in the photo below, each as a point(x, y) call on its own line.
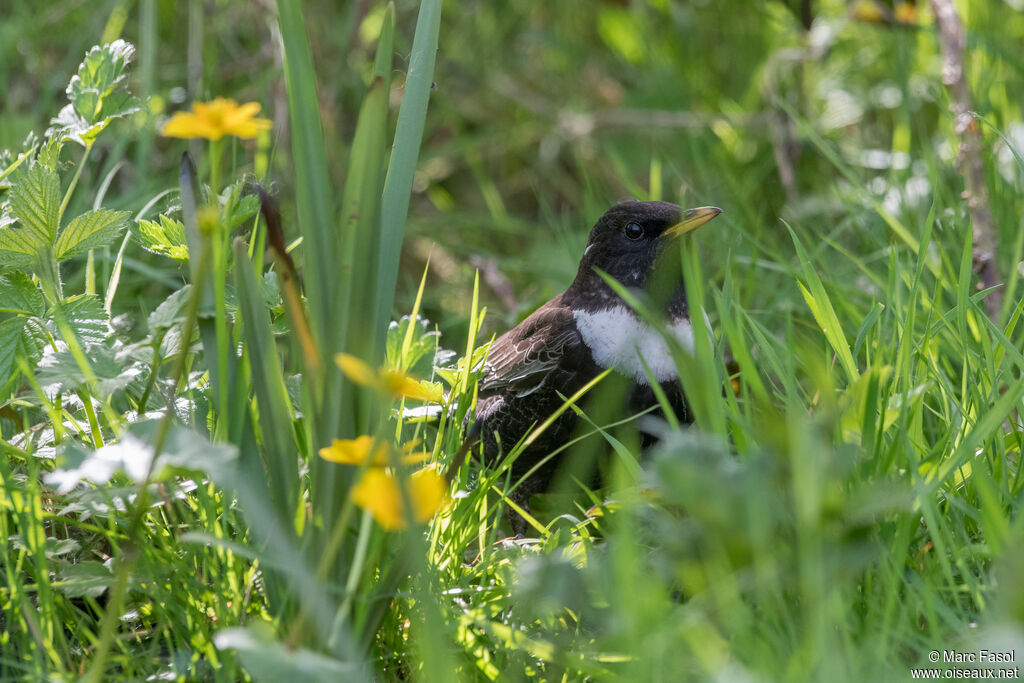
point(844, 505)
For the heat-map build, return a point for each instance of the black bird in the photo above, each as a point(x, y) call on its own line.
point(581, 332)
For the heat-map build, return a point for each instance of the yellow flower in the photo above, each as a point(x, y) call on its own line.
point(213, 120)
point(388, 381)
point(379, 492)
point(905, 13)
point(356, 451)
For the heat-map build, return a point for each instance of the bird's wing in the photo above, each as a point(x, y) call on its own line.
point(522, 358)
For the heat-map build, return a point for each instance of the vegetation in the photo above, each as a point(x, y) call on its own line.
point(219, 461)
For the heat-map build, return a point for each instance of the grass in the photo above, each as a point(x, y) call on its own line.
point(848, 507)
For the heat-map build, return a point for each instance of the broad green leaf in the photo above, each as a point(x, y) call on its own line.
point(171, 311)
point(166, 237)
point(89, 231)
point(19, 337)
point(184, 452)
point(19, 295)
point(12, 256)
point(85, 316)
point(35, 203)
point(419, 358)
point(84, 579)
point(111, 370)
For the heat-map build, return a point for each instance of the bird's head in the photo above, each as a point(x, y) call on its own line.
point(626, 241)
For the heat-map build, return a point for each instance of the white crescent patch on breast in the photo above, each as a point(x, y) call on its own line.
point(617, 338)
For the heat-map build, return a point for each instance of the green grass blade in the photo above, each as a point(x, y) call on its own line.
point(821, 307)
point(275, 414)
point(404, 154)
point(314, 195)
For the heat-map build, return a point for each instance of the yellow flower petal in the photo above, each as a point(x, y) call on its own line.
point(356, 370)
point(213, 120)
point(185, 125)
point(400, 384)
point(356, 451)
point(378, 492)
point(427, 489)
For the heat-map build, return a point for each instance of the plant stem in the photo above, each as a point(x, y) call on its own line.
point(216, 154)
point(74, 182)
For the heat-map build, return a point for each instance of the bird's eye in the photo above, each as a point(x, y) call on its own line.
point(634, 231)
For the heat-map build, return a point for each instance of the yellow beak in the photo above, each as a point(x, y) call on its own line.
point(692, 219)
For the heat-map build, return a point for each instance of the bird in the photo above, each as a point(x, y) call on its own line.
point(567, 342)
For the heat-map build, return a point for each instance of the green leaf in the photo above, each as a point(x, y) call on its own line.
point(166, 237)
point(84, 579)
point(171, 311)
point(35, 203)
point(86, 318)
point(19, 338)
point(19, 295)
point(99, 73)
point(89, 231)
point(112, 371)
point(184, 452)
point(94, 94)
point(238, 209)
point(419, 358)
point(70, 124)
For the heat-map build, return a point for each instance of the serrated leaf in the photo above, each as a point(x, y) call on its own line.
point(19, 338)
point(102, 69)
point(10, 258)
point(49, 153)
point(112, 371)
point(166, 238)
point(95, 99)
point(85, 316)
point(19, 295)
point(35, 203)
point(89, 231)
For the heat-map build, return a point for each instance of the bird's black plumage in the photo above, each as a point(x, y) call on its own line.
point(572, 338)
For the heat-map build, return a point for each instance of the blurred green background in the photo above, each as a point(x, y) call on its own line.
point(544, 114)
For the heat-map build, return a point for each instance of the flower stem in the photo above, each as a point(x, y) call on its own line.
point(216, 154)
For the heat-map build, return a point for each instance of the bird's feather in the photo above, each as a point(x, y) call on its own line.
point(522, 358)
